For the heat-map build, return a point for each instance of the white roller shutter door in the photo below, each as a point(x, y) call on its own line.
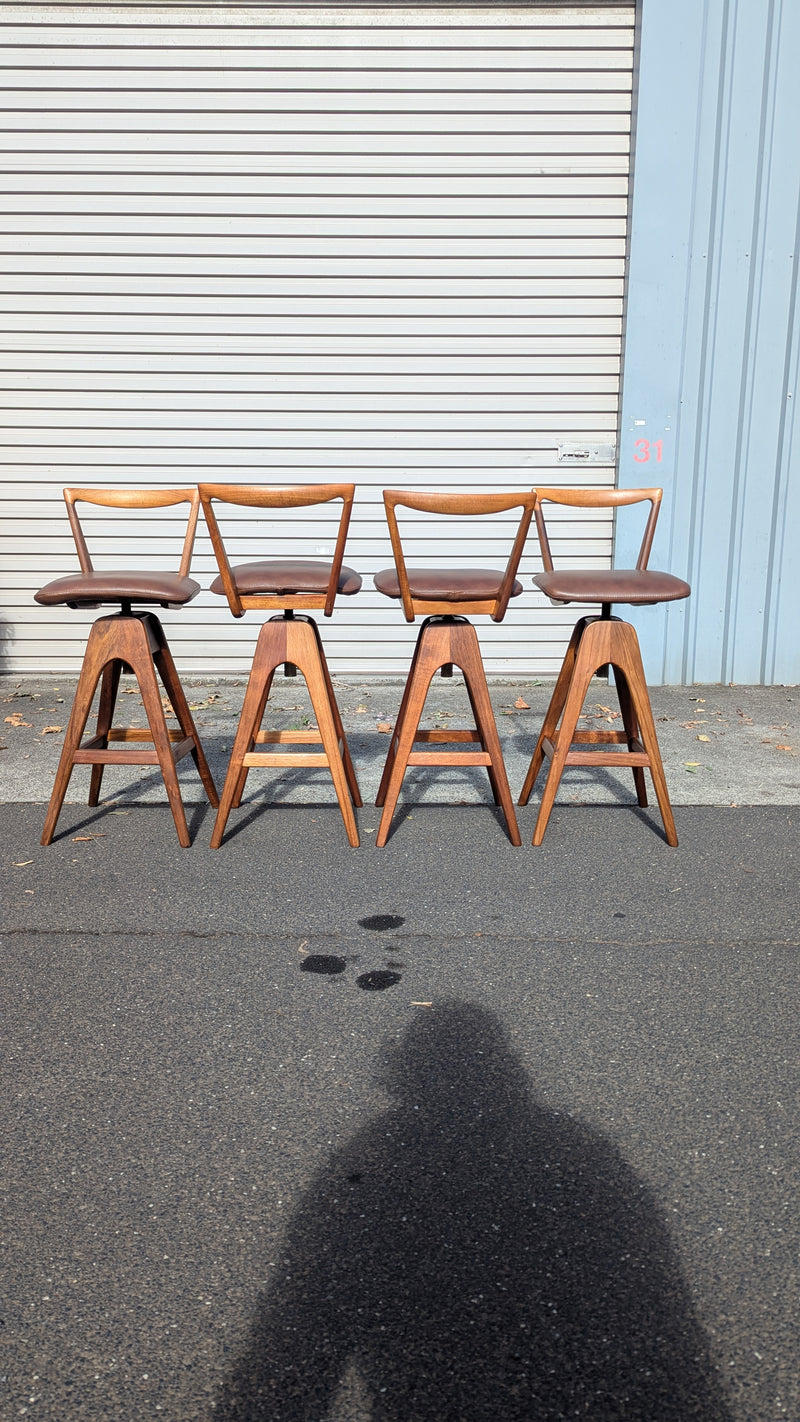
point(295, 245)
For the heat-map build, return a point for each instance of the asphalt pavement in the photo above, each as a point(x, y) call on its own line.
point(444, 1132)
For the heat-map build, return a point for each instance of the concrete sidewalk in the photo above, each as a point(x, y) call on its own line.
point(448, 1130)
point(720, 745)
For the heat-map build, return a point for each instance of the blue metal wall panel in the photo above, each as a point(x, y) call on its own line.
point(713, 334)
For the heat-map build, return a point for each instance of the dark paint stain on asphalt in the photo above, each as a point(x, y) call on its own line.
point(378, 980)
point(325, 963)
point(381, 922)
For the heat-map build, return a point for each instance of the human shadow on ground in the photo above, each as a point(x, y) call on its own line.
point(474, 1256)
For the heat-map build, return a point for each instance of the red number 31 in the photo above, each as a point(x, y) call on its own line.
point(644, 450)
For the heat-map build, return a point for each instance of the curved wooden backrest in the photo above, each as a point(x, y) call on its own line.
point(458, 505)
point(132, 499)
point(598, 499)
point(262, 496)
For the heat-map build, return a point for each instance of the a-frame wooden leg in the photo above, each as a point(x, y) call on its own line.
point(444, 644)
point(137, 642)
point(476, 716)
point(629, 660)
point(295, 641)
point(142, 644)
point(380, 798)
point(554, 710)
point(583, 669)
point(99, 653)
point(177, 696)
point(631, 725)
point(307, 659)
point(105, 717)
point(269, 653)
point(604, 642)
point(349, 768)
point(426, 662)
point(117, 642)
point(256, 726)
point(467, 655)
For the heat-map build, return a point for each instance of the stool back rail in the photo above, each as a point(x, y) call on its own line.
point(597, 643)
point(447, 598)
point(127, 641)
point(289, 640)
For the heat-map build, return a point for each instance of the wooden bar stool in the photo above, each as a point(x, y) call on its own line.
point(596, 643)
point(127, 641)
point(290, 584)
point(447, 597)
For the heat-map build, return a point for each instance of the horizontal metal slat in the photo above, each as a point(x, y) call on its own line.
point(162, 126)
point(185, 14)
point(432, 100)
point(394, 369)
point(233, 37)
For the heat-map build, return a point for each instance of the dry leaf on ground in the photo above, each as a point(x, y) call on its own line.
point(606, 713)
point(521, 705)
point(51, 730)
point(16, 720)
point(385, 727)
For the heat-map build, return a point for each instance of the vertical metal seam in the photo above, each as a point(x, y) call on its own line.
point(697, 511)
point(777, 540)
point(728, 85)
point(749, 361)
point(689, 617)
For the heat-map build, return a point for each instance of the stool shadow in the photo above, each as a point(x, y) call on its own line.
point(472, 1255)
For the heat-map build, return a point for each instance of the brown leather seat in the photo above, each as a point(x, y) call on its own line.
point(446, 584)
point(446, 597)
point(633, 586)
point(130, 641)
point(596, 644)
point(288, 575)
point(289, 586)
point(88, 590)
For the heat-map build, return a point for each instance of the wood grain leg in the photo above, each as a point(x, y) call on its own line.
point(99, 651)
point(476, 717)
point(554, 710)
point(631, 725)
point(629, 658)
point(270, 653)
point(105, 717)
point(172, 684)
point(349, 768)
point(306, 656)
point(254, 729)
point(380, 798)
point(167, 671)
point(426, 662)
point(140, 658)
point(467, 655)
point(586, 660)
